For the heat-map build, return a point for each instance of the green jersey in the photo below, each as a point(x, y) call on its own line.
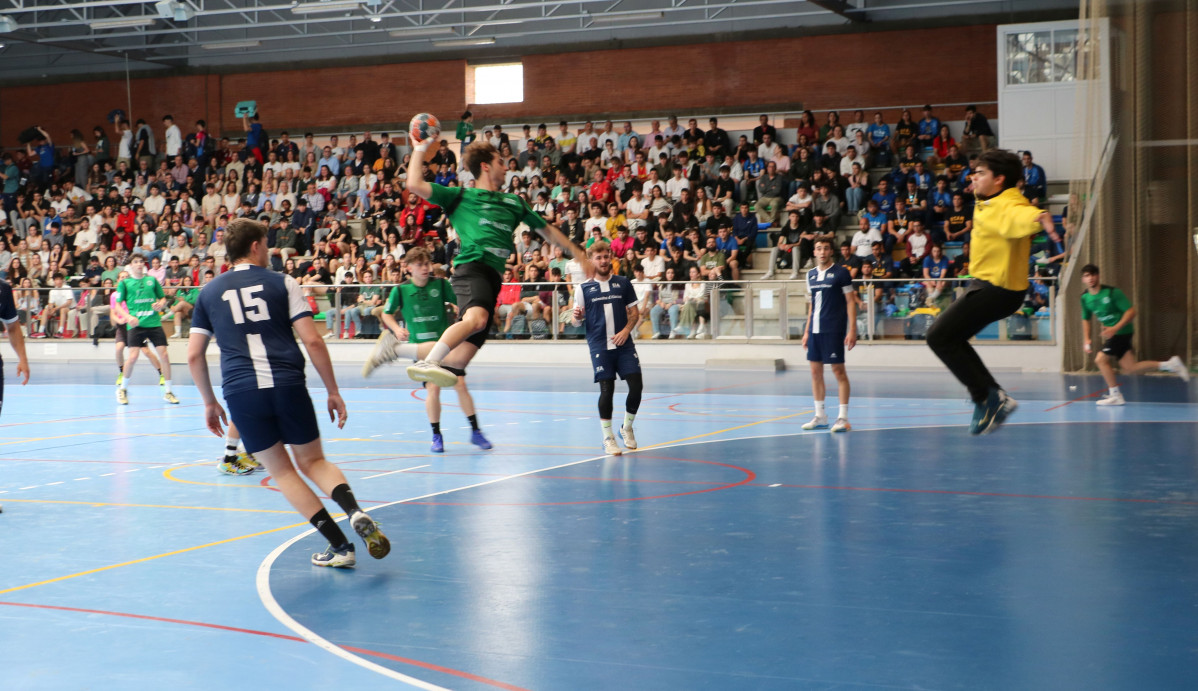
point(1109, 304)
point(188, 295)
point(485, 222)
point(139, 295)
point(422, 309)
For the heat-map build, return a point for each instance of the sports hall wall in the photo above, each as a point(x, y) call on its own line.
point(882, 68)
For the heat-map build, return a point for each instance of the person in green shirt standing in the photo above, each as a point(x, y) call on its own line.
point(485, 220)
point(466, 131)
point(139, 299)
point(424, 305)
point(1115, 312)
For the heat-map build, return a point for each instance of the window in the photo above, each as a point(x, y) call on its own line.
point(495, 84)
point(1042, 57)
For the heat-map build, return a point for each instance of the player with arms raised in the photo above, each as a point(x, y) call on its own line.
point(607, 304)
point(485, 220)
point(251, 311)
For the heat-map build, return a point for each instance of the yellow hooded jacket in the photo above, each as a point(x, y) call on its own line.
point(1001, 239)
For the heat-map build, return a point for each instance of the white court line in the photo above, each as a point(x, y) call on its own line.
point(51, 484)
point(392, 472)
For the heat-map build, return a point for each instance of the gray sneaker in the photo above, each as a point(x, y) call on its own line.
point(383, 352)
point(376, 543)
point(337, 558)
point(433, 373)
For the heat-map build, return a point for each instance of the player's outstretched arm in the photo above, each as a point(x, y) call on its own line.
point(197, 364)
point(416, 182)
point(556, 237)
point(319, 354)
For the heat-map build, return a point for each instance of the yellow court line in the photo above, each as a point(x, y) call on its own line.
point(143, 506)
point(721, 431)
point(169, 474)
point(33, 439)
point(151, 558)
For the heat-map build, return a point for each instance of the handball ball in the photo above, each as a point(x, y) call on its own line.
point(424, 127)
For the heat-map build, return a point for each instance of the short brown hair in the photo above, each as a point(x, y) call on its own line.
point(240, 234)
point(831, 241)
point(1004, 163)
point(416, 255)
point(597, 247)
point(476, 155)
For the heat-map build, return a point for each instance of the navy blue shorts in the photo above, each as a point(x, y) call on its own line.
point(609, 363)
point(265, 417)
point(827, 348)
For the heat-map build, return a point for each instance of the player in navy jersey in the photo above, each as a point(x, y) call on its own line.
point(251, 311)
point(831, 330)
point(607, 304)
point(8, 320)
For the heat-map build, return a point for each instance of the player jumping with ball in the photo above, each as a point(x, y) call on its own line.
point(485, 220)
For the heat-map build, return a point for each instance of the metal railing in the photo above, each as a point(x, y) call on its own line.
point(893, 310)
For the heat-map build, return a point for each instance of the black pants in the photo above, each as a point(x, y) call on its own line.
point(982, 304)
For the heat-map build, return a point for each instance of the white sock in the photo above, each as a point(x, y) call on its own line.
point(1114, 391)
point(820, 410)
point(438, 353)
point(166, 386)
point(607, 433)
point(628, 418)
point(844, 411)
point(231, 445)
point(408, 350)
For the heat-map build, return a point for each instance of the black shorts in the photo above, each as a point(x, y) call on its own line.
point(476, 285)
point(138, 337)
point(265, 417)
point(122, 333)
point(1117, 346)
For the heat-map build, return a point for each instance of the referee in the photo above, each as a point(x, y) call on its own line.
point(1004, 222)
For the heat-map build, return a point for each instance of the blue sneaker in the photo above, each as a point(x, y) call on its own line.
point(479, 440)
point(343, 558)
point(991, 413)
point(438, 444)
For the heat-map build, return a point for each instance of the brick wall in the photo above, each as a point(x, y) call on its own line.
point(955, 64)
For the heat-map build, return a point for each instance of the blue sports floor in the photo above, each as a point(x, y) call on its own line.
point(732, 551)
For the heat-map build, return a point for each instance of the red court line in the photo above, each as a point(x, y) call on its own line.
point(285, 637)
point(993, 494)
point(1079, 398)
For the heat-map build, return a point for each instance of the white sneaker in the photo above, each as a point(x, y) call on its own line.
point(433, 373)
point(817, 422)
point(1176, 366)
point(629, 438)
point(341, 559)
point(1111, 399)
point(329, 335)
point(842, 425)
point(768, 275)
point(383, 352)
point(702, 332)
point(610, 447)
point(794, 276)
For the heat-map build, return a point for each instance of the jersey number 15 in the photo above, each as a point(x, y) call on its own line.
point(255, 307)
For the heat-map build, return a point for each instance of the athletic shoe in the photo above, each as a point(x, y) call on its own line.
point(629, 438)
point(1176, 366)
point(247, 459)
point(842, 425)
point(170, 397)
point(122, 397)
point(610, 447)
point(433, 373)
point(339, 558)
point(1111, 399)
point(231, 465)
point(794, 276)
point(817, 422)
point(991, 413)
point(383, 352)
point(376, 543)
point(768, 275)
point(477, 438)
point(438, 444)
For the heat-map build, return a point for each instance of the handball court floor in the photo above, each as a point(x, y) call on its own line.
point(731, 551)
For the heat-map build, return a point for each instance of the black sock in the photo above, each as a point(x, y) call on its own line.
point(473, 422)
point(436, 427)
point(344, 496)
point(328, 528)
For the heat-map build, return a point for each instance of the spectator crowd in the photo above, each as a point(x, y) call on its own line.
point(683, 207)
